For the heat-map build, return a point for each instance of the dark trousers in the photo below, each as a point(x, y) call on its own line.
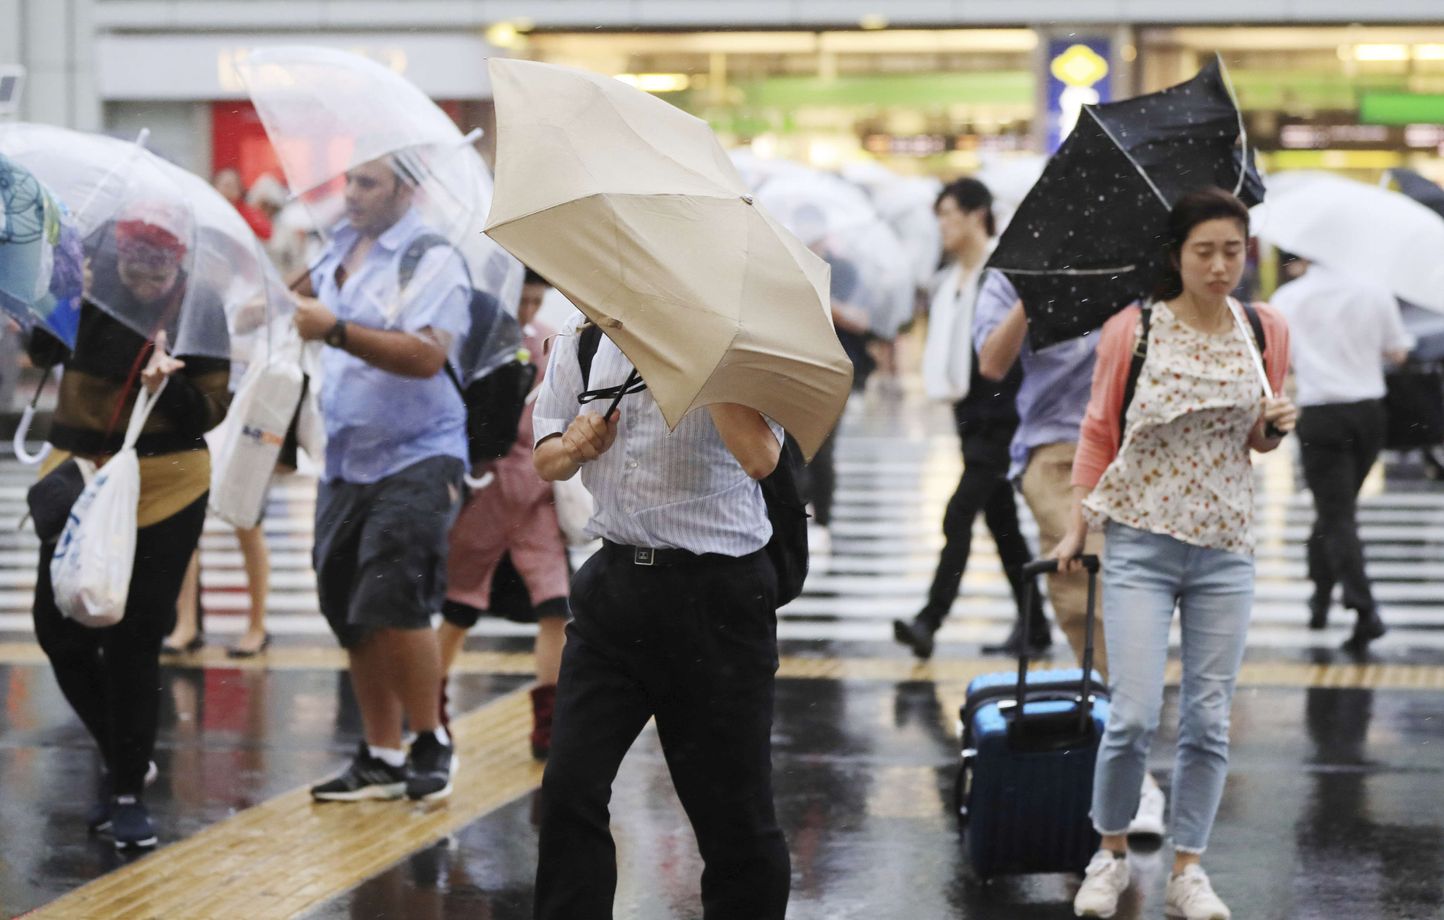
point(695, 646)
point(984, 488)
point(819, 481)
point(1339, 443)
point(111, 676)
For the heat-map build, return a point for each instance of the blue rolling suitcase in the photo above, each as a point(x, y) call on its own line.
point(1029, 745)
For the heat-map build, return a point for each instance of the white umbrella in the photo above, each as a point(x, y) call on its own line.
point(1360, 229)
point(131, 206)
point(907, 204)
point(836, 219)
point(328, 111)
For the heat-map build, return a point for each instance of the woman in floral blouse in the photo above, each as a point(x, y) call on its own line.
point(1171, 485)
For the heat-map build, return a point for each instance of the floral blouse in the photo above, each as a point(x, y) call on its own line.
point(1184, 468)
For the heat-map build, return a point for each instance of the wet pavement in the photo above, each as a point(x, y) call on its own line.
point(1333, 807)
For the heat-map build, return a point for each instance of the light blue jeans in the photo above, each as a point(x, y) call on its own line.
point(1144, 576)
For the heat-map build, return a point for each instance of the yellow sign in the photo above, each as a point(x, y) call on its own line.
point(1079, 66)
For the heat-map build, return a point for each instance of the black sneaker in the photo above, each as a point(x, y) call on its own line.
point(130, 824)
point(367, 777)
point(431, 764)
point(98, 817)
point(916, 635)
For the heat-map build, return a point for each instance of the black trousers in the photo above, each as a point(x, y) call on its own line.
point(695, 646)
point(819, 480)
point(983, 488)
point(1339, 443)
point(111, 676)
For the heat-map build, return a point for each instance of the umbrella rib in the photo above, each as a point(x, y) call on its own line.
point(1126, 155)
point(1242, 131)
point(1066, 271)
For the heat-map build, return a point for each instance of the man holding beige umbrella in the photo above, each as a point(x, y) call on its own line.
point(631, 208)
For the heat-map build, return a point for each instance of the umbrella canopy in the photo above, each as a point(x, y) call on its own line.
point(165, 251)
point(1091, 237)
point(633, 210)
point(1360, 229)
point(1422, 190)
point(41, 265)
point(906, 203)
point(837, 220)
point(328, 111)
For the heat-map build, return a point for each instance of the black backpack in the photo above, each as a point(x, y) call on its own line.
point(1140, 354)
point(494, 402)
point(787, 549)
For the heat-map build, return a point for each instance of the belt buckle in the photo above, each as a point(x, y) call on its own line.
point(644, 555)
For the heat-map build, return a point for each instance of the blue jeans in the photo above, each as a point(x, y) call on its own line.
point(1144, 576)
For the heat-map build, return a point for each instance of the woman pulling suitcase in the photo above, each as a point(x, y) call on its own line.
point(1167, 475)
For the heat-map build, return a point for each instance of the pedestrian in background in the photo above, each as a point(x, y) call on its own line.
point(1343, 331)
point(1172, 485)
point(513, 518)
point(986, 415)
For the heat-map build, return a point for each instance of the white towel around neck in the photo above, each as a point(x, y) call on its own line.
point(948, 352)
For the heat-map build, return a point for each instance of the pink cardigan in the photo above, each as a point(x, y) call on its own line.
point(1101, 430)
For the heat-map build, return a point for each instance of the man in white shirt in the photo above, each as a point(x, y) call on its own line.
point(1342, 330)
point(674, 618)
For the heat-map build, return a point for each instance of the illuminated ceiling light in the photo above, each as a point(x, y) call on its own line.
point(503, 35)
point(1381, 52)
point(1429, 52)
point(873, 22)
point(657, 82)
point(523, 24)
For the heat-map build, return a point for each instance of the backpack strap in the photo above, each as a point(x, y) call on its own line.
point(588, 341)
point(1256, 324)
point(419, 247)
point(406, 270)
point(1135, 367)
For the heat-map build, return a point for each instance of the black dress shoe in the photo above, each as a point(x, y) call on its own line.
point(1319, 612)
point(1368, 628)
point(915, 635)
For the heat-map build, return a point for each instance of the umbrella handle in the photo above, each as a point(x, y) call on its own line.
point(476, 485)
point(23, 429)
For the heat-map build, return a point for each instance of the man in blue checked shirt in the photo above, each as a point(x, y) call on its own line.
point(395, 453)
point(675, 618)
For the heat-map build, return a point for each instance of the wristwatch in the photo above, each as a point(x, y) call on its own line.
point(336, 336)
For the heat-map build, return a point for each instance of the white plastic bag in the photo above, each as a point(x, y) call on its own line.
point(574, 509)
point(245, 447)
point(94, 557)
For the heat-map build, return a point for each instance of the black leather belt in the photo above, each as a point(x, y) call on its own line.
point(647, 555)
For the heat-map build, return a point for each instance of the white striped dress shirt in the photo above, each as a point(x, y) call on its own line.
point(679, 489)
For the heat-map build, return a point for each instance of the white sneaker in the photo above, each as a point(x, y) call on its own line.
point(1148, 822)
point(1189, 895)
point(1105, 879)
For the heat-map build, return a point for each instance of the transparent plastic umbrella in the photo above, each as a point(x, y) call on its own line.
point(1374, 233)
point(906, 203)
point(163, 250)
point(835, 219)
point(41, 266)
point(328, 111)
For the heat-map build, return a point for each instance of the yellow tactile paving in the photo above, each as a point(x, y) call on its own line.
point(287, 855)
point(1254, 674)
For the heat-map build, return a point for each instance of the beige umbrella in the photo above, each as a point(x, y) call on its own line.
point(634, 211)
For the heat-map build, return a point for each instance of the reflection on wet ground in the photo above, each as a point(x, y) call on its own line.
point(1333, 808)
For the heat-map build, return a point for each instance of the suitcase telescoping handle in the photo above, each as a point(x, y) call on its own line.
point(1030, 573)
